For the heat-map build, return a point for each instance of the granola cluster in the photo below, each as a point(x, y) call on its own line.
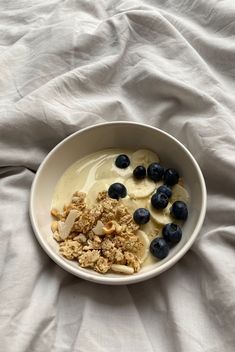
point(102, 238)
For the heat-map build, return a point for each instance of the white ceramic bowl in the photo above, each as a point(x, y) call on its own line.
point(116, 135)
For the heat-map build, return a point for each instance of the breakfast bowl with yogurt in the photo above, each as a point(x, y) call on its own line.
point(118, 211)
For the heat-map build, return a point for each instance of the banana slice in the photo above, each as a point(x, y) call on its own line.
point(139, 189)
point(162, 216)
point(133, 204)
point(179, 193)
point(144, 251)
point(152, 229)
point(143, 157)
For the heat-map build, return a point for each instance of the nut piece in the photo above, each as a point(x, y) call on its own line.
point(122, 269)
point(111, 227)
point(56, 213)
point(98, 229)
point(66, 227)
point(54, 226)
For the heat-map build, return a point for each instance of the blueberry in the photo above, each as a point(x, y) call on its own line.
point(159, 200)
point(171, 177)
point(179, 210)
point(117, 190)
point(165, 189)
point(141, 216)
point(122, 161)
point(159, 248)
point(139, 172)
point(172, 233)
point(155, 171)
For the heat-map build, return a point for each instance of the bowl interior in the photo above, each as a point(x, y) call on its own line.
point(116, 135)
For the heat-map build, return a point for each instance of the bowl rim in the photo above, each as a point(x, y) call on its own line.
point(119, 280)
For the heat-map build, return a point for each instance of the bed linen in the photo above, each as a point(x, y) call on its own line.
point(65, 65)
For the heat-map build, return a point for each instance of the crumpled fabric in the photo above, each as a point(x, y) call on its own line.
point(70, 64)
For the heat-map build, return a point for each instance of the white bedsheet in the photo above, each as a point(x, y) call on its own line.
point(69, 64)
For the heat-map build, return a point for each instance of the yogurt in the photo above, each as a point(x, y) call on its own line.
point(96, 172)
